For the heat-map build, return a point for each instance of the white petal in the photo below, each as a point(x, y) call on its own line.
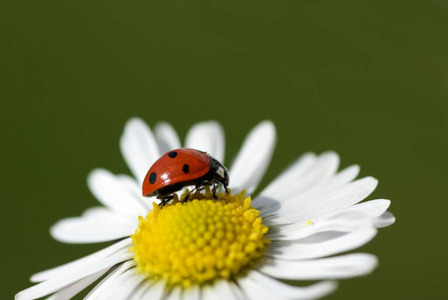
point(306, 179)
point(342, 219)
point(239, 294)
point(306, 249)
point(321, 184)
point(253, 159)
point(320, 188)
point(259, 287)
point(82, 262)
point(287, 178)
point(124, 285)
point(307, 173)
point(325, 166)
point(336, 181)
point(156, 291)
point(166, 137)
point(345, 221)
point(342, 197)
point(130, 183)
point(372, 208)
point(139, 147)
point(110, 191)
point(104, 214)
point(141, 290)
point(73, 289)
point(175, 294)
point(105, 226)
point(208, 137)
point(109, 281)
point(192, 293)
point(339, 267)
point(135, 189)
point(220, 290)
point(384, 220)
point(55, 284)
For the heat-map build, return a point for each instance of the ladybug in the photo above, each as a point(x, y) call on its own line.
point(179, 168)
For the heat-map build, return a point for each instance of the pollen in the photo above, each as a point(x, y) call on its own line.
point(199, 240)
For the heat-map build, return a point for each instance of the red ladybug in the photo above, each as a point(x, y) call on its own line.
point(183, 167)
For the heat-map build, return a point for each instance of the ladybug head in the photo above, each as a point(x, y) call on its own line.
point(220, 172)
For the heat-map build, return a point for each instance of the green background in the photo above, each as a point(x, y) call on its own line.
point(368, 79)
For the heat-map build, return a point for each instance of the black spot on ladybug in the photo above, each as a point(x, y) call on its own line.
point(186, 168)
point(152, 177)
point(172, 154)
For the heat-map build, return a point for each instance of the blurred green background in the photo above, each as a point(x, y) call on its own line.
point(368, 79)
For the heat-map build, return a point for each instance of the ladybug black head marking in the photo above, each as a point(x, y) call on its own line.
point(220, 172)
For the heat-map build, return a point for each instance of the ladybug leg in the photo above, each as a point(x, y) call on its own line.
point(198, 187)
point(214, 191)
point(188, 195)
point(193, 190)
point(165, 200)
point(227, 191)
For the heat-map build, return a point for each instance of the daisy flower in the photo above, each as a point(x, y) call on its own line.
point(236, 247)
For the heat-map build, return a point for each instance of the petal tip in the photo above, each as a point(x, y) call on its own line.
point(133, 121)
point(268, 126)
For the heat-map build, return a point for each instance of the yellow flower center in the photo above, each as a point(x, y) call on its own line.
point(199, 240)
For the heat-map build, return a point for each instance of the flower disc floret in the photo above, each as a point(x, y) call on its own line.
point(199, 240)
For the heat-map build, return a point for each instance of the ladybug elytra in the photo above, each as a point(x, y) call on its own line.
point(179, 168)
